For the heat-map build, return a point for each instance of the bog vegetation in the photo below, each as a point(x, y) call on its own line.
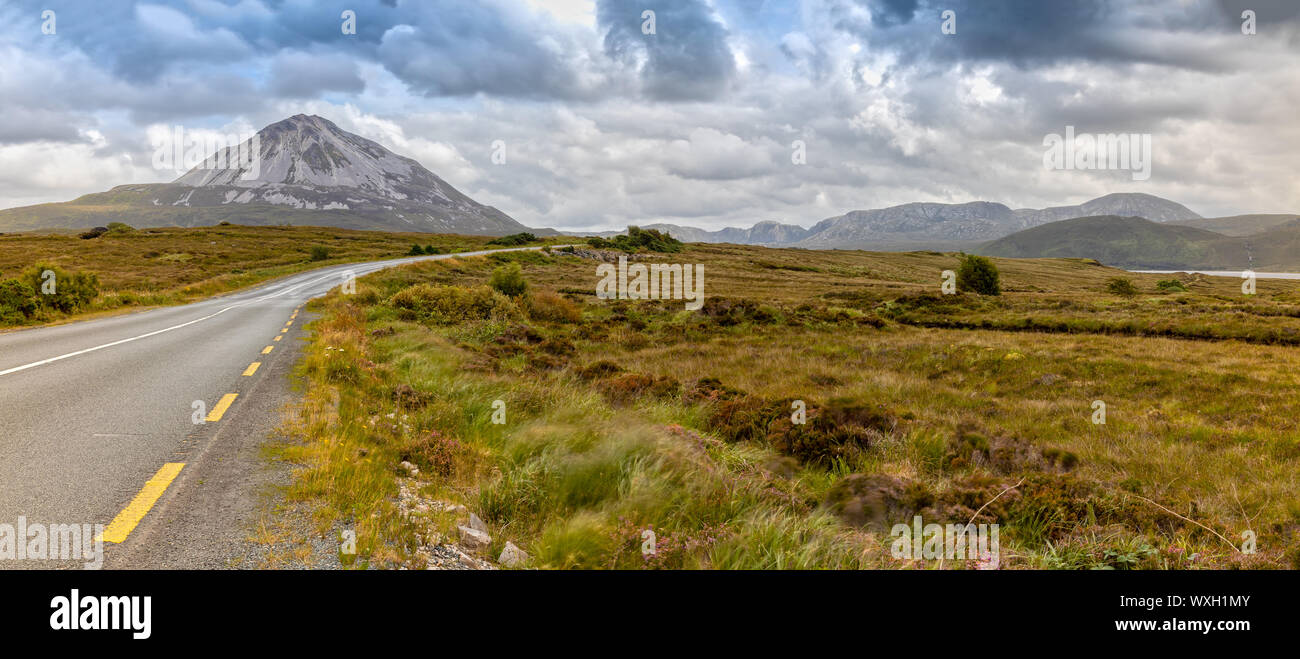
point(623, 417)
point(116, 266)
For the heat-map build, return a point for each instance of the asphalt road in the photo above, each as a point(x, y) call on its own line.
point(90, 412)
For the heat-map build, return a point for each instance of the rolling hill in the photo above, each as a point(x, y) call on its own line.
point(1126, 242)
point(1240, 225)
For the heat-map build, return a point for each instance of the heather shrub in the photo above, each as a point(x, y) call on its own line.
point(445, 305)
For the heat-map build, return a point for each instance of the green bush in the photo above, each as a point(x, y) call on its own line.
point(119, 228)
point(320, 253)
point(1121, 286)
point(1171, 286)
point(17, 301)
point(430, 249)
point(509, 280)
point(977, 274)
point(416, 250)
point(638, 239)
point(445, 305)
point(514, 240)
point(72, 291)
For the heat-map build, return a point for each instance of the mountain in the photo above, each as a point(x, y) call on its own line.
point(925, 225)
point(1127, 242)
point(1124, 204)
point(921, 223)
point(915, 222)
point(1240, 225)
point(309, 171)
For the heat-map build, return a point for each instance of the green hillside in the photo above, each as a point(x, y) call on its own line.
point(1239, 225)
point(1126, 242)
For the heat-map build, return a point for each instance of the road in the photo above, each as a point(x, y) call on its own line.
point(97, 417)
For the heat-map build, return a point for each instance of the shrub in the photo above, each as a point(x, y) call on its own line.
point(638, 239)
point(1171, 286)
point(838, 430)
point(509, 280)
point(320, 253)
point(17, 301)
point(72, 291)
point(416, 250)
point(93, 233)
point(430, 249)
point(977, 274)
point(446, 305)
point(435, 453)
point(551, 306)
point(119, 228)
point(514, 239)
point(1121, 286)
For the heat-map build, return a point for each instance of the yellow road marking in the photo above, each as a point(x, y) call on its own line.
point(288, 323)
point(267, 349)
point(126, 521)
point(278, 337)
point(222, 405)
point(284, 330)
point(252, 368)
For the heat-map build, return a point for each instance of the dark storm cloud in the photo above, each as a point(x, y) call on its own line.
point(438, 47)
point(1030, 33)
point(450, 48)
point(304, 75)
point(894, 12)
point(686, 59)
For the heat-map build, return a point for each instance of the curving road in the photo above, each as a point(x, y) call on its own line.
point(92, 413)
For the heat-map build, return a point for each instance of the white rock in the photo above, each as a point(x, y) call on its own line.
point(473, 539)
point(477, 524)
point(512, 556)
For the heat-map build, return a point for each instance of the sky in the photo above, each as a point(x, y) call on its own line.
point(732, 112)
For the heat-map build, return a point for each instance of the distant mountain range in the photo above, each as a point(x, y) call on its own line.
point(310, 172)
point(928, 225)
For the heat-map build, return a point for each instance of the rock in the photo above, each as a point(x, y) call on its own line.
point(473, 539)
point(512, 556)
point(410, 468)
point(477, 524)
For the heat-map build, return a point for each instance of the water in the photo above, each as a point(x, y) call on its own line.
point(1225, 273)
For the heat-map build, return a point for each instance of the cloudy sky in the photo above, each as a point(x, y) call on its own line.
point(605, 125)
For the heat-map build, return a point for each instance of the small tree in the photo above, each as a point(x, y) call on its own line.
point(319, 253)
point(416, 250)
point(1121, 286)
point(977, 274)
point(509, 280)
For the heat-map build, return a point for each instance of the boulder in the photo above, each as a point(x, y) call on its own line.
point(512, 556)
point(473, 539)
